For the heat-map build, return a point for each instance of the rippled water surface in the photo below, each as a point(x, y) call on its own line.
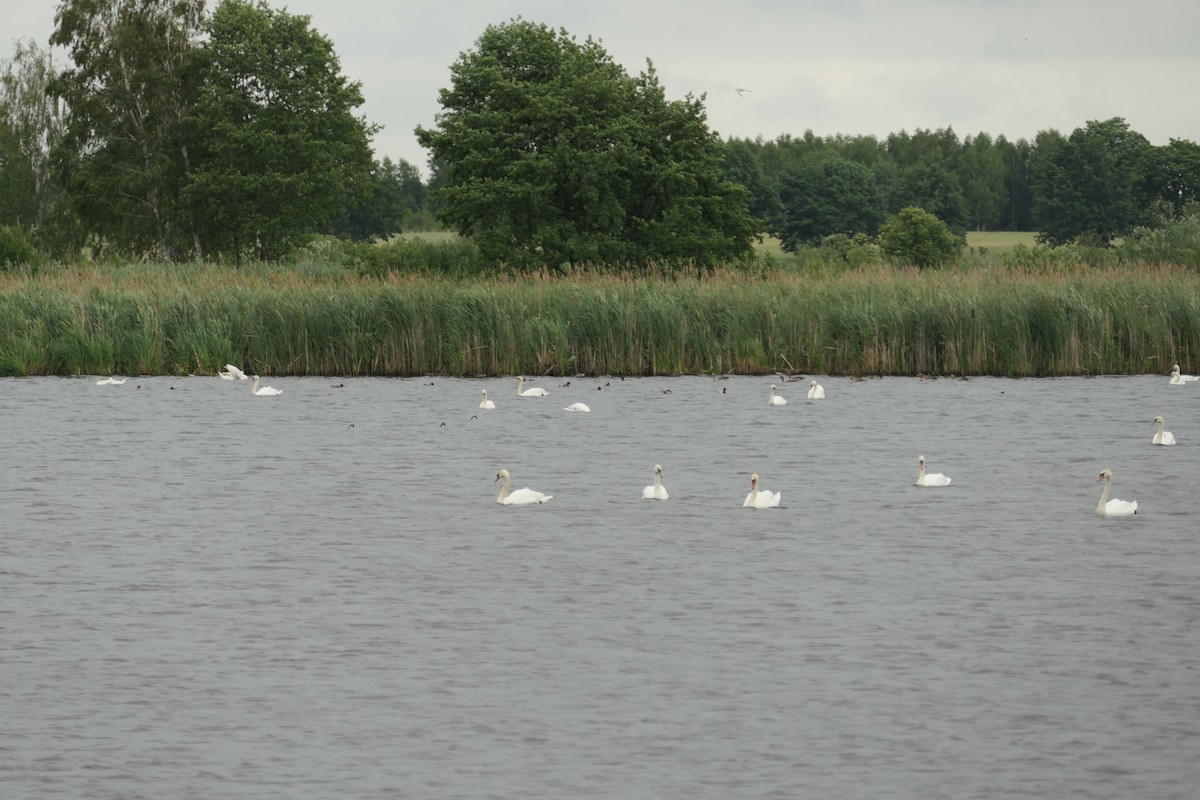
point(208, 594)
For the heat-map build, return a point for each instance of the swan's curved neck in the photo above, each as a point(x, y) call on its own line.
point(1104, 495)
point(503, 491)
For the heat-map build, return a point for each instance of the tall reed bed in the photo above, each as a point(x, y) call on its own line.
point(877, 320)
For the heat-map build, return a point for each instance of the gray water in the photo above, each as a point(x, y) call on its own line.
point(208, 594)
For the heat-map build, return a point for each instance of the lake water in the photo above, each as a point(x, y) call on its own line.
point(208, 594)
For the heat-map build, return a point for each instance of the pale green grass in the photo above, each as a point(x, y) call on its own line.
point(1001, 240)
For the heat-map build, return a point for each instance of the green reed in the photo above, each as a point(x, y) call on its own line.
point(876, 320)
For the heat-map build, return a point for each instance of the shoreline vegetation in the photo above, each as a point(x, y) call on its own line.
point(319, 318)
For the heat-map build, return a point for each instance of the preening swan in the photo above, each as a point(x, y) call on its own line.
point(933, 478)
point(232, 373)
point(774, 399)
point(1162, 437)
point(1177, 379)
point(110, 381)
point(266, 391)
point(657, 491)
point(520, 497)
point(816, 391)
point(761, 498)
point(485, 403)
point(1113, 508)
point(581, 407)
point(533, 391)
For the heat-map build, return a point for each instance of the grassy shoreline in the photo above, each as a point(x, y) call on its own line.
point(878, 320)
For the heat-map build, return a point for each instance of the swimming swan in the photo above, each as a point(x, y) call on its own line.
point(1113, 508)
point(761, 499)
point(232, 373)
point(1178, 379)
point(266, 391)
point(581, 407)
point(657, 491)
point(485, 403)
point(932, 479)
point(533, 391)
point(816, 391)
point(774, 399)
point(1162, 437)
point(520, 497)
point(110, 381)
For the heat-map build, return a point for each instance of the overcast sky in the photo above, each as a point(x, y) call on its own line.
point(1012, 67)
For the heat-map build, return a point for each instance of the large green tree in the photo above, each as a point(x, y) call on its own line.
point(553, 154)
point(981, 174)
point(123, 151)
point(1089, 186)
point(31, 123)
point(278, 149)
point(933, 185)
point(834, 195)
point(1171, 174)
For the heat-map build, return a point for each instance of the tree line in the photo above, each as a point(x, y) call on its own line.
point(1094, 185)
point(175, 133)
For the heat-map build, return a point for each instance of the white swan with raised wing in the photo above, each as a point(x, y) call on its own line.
point(1177, 379)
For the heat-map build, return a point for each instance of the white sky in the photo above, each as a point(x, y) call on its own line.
point(1012, 67)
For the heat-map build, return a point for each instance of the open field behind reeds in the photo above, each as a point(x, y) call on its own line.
point(879, 320)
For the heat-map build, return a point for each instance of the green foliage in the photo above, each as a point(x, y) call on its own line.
point(1176, 242)
point(915, 236)
point(833, 196)
point(1171, 174)
point(874, 320)
point(123, 150)
point(278, 150)
point(554, 155)
point(930, 184)
point(17, 248)
point(1087, 186)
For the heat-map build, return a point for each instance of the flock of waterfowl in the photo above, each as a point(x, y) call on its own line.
point(758, 497)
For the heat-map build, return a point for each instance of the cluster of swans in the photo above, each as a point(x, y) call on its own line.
point(532, 391)
point(757, 498)
point(234, 373)
point(1127, 508)
point(815, 392)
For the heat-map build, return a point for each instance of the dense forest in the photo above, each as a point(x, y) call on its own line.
point(175, 134)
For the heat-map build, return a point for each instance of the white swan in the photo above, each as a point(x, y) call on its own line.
point(486, 404)
point(1162, 437)
point(816, 391)
point(657, 491)
point(1113, 508)
point(580, 407)
point(266, 391)
point(533, 391)
point(761, 498)
point(933, 478)
point(520, 497)
point(1178, 379)
point(232, 373)
point(774, 399)
point(111, 381)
